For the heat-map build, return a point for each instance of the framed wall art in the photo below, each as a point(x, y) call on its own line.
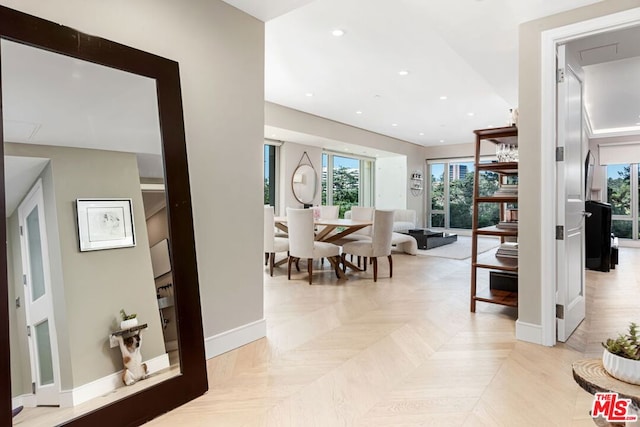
point(105, 224)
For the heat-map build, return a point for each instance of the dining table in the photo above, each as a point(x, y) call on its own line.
point(326, 228)
point(343, 226)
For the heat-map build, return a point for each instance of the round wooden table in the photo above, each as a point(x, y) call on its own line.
point(591, 376)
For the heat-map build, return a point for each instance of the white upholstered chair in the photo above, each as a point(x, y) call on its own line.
point(329, 212)
point(378, 246)
point(302, 244)
point(361, 213)
point(272, 243)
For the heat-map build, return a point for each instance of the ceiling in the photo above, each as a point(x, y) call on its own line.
point(461, 59)
point(52, 99)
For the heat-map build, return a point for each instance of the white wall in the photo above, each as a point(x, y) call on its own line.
point(392, 183)
point(287, 118)
point(290, 156)
point(221, 55)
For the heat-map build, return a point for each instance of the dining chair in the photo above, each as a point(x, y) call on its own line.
point(302, 244)
point(329, 212)
point(361, 213)
point(378, 246)
point(272, 243)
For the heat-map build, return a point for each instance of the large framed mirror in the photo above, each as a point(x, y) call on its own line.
point(87, 118)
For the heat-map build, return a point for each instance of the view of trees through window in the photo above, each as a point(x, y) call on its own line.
point(269, 175)
point(345, 182)
point(620, 195)
point(452, 196)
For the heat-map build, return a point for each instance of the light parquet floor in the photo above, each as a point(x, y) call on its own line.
point(405, 351)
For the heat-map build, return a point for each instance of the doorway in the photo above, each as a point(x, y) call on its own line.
point(550, 41)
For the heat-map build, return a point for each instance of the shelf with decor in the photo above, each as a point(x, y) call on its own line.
point(502, 261)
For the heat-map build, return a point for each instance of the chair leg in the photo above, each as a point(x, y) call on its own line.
point(365, 264)
point(344, 264)
point(298, 264)
point(272, 259)
point(390, 266)
point(335, 262)
point(310, 268)
point(374, 261)
point(266, 258)
point(289, 267)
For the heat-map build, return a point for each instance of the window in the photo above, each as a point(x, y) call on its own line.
point(622, 192)
point(451, 195)
point(347, 181)
point(270, 174)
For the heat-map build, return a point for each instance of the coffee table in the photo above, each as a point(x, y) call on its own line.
point(428, 239)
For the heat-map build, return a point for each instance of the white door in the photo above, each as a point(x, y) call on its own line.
point(43, 346)
point(570, 274)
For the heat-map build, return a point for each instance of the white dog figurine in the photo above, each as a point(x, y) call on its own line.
point(134, 369)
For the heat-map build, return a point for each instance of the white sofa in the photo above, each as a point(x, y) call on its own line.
point(404, 219)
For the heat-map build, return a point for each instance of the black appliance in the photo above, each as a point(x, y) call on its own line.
point(598, 235)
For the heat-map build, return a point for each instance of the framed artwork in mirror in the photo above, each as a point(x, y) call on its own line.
point(190, 381)
point(105, 224)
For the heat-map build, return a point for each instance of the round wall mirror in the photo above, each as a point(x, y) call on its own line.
point(304, 184)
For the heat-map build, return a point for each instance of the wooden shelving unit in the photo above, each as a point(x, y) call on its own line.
point(488, 260)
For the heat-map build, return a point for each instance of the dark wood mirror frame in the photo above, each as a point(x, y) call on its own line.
point(192, 382)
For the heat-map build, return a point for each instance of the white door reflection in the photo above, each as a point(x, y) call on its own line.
point(84, 131)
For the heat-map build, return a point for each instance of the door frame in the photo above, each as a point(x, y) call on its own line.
point(550, 39)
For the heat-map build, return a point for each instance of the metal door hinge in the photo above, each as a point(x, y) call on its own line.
point(559, 232)
point(559, 311)
point(28, 330)
point(24, 279)
point(21, 230)
point(559, 154)
point(18, 304)
point(560, 75)
point(33, 388)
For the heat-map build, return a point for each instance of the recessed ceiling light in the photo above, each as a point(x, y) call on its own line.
point(403, 72)
point(442, 140)
point(421, 134)
point(443, 97)
point(309, 94)
point(637, 124)
point(470, 114)
point(358, 112)
point(337, 32)
point(394, 124)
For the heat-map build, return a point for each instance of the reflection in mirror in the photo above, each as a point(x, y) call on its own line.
point(304, 184)
point(74, 129)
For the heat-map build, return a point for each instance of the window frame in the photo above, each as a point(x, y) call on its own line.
point(366, 177)
point(446, 211)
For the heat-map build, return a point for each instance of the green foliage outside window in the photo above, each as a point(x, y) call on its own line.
point(619, 192)
point(346, 187)
point(461, 200)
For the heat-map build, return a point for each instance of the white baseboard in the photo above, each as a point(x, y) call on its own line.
point(237, 337)
point(26, 400)
point(529, 332)
point(104, 385)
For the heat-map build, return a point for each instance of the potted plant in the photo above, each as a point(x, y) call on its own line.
point(621, 358)
point(128, 320)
